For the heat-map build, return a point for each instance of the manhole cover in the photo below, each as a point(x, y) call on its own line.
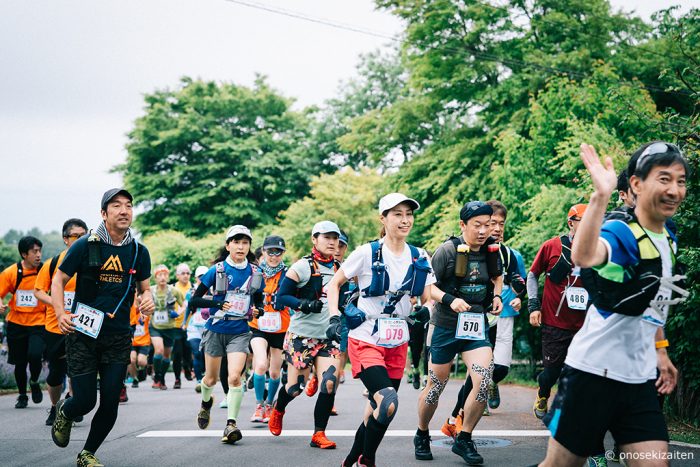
point(480, 442)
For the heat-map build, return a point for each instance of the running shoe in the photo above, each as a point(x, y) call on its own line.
point(421, 445)
point(416, 379)
point(319, 440)
point(178, 384)
point(275, 422)
point(135, 383)
point(334, 412)
point(459, 421)
point(203, 416)
point(362, 462)
point(540, 407)
point(123, 398)
point(60, 430)
point(365, 393)
point(259, 414)
point(198, 387)
point(189, 374)
point(467, 451)
point(22, 401)
point(494, 396)
point(597, 461)
point(266, 414)
point(88, 459)
point(37, 395)
point(155, 385)
point(162, 386)
point(312, 386)
point(231, 433)
point(341, 377)
point(449, 429)
point(487, 412)
point(52, 416)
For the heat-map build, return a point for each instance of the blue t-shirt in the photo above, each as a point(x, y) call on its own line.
point(508, 294)
point(236, 279)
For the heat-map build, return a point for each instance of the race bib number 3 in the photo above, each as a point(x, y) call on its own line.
point(471, 326)
point(68, 300)
point(240, 303)
point(26, 298)
point(577, 298)
point(88, 320)
point(392, 332)
point(270, 322)
point(160, 317)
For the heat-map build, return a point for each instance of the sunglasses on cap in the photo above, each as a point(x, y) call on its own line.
point(656, 149)
point(274, 252)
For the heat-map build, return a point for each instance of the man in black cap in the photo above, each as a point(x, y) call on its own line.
point(469, 281)
point(111, 267)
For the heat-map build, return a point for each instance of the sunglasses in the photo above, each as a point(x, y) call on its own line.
point(274, 252)
point(656, 149)
point(74, 236)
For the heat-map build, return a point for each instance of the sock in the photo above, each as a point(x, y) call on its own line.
point(373, 437)
point(157, 364)
point(423, 433)
point(234, 399)
point(464, 436)
point(259, 384)
point(206, 392)
point(283, 398)
point(164, 366)
point(322, 410)
point(357, 445)
point(272, 386)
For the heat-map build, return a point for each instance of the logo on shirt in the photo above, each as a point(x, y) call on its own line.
point(113, 264)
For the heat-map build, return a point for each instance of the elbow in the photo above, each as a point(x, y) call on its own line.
point(580, 259)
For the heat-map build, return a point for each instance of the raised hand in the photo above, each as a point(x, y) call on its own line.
point(603, 175)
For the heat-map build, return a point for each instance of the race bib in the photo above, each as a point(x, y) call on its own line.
point(271, 321)
point(471, 326)
point(197, 320)
point(88, 320)
point(140, 330)
point(577, 298)
point(392, 332)
point(68, 298)
point(25, 298)
point(657, 313)
point(160, 317)
point(240, 303)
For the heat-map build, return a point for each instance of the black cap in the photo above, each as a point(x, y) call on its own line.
point(274, 241)
point(474, 208)
point(110, 194)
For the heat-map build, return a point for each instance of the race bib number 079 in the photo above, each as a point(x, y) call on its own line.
point(88, 320)
point(471, 326)
point(392, 332)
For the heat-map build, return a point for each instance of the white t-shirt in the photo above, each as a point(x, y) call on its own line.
point(618, 346)
point(359, 264)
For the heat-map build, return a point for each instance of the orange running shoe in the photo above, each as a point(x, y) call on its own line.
point(449, 429)
point(319, 440)
point(459, 420)
point(334, 412)
point(259, 414)
point(312, 386)
point(275, 422)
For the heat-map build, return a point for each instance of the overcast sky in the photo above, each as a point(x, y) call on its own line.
point(73, 75)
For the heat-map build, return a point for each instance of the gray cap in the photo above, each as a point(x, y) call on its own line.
point(325, 227)
point(110, 194)
point(239, 230)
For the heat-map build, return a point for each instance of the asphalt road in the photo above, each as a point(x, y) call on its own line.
point(159, 428)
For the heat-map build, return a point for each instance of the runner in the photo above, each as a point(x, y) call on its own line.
point(55, 352)
point(237, 285)
point(343, 240)
point(163, 327)
point(389, 271)
point(140, 346)
point(303, 290)
point(417, 331)
point(562, 309)
point(182, 356)
point(25, 321)
point(608, 379)
point(269, 329)
point(194, 325)
point(111, 265)
point(470, 281)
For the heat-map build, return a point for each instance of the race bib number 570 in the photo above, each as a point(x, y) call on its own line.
point(471, 326)
point(88, 320)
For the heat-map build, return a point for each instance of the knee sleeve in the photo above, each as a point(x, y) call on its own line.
point(57, 371)
point(328, 381)
point(499, 373)
point(436, 388)
point(295, 389)
point(483, 393)
point(388, 406)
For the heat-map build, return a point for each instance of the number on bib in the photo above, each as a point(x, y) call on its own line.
point(577, 298)
point(271, 321)
point(392, 332)
point(240, 303)
point(140, 330)
point(68, 298)
point(26, 298)
point(160, 317)
point(88, 320)
point(471, 326)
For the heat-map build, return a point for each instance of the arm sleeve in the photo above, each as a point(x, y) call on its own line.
point(198, 302)
point(532, 285)
point(286, 294)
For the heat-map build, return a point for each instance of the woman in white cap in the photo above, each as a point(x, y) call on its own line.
point(303, 290)
point(236, 283)
point(389, 271)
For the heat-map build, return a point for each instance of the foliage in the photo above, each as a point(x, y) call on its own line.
point(208, 155)
point(172, 248)
point(52, 245)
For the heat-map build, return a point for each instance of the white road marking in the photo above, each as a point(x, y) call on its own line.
point(334, 433)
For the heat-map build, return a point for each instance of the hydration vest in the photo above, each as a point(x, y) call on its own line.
point(489, 254)
point(563, 267)
point(313, 289)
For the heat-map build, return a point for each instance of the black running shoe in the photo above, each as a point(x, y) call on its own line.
point(37, 395)
point(51, 417)
point(422, 448)
point(467, 451)
point(22, 402)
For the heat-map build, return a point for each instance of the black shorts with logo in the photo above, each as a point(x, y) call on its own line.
point(587, 405)
point(555, 345)
point(84, 354)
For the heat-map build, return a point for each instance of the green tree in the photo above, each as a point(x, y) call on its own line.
point(208, 155)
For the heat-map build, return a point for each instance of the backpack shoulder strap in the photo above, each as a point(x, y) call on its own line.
point(415, 252)
point(53, 264)
point(376, 251)
point(20, 274)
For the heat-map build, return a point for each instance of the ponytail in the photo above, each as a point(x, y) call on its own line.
point(382, 232)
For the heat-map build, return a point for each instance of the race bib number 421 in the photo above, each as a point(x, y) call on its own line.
point(88, 320)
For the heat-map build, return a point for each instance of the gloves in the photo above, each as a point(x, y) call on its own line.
point(533, 304)
point(173, 314)
point(333, 331)
point(205, 313)
point(421, 314)
point(310, 306)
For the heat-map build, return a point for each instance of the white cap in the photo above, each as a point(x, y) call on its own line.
point(200, 271)
point(325, 227)
point(239, 230)
point(182, 267)
point(394, 199)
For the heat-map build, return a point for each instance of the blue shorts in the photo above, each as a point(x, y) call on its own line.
point(444, 345)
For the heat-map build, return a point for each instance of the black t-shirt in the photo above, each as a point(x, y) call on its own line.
point(113, 280)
